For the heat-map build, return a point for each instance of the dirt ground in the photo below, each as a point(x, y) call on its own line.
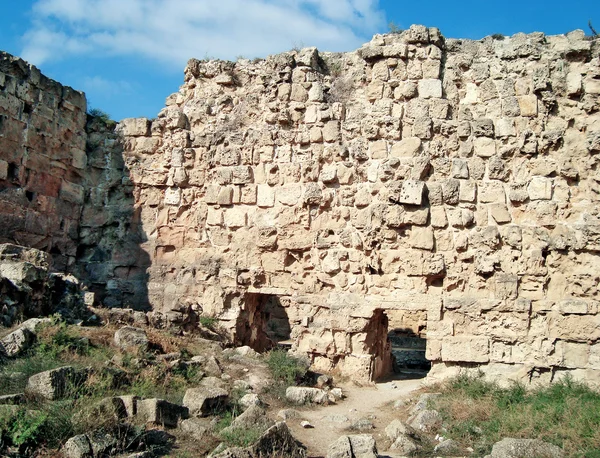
point(373, 402)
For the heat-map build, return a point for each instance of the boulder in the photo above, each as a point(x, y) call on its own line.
point(56, 383)
point(396, 428)
point(525, 448)
point(16, 343)
point(204, 400)
point(275, 441)
point(129, 337)
point(194, 427)
point(160, 412)
point(427, 420)
point(249, 399)
point(405, 445)
point(305, 395)
point(254, 417)
point(78, 447)
point(357, 446)
point(447, 447)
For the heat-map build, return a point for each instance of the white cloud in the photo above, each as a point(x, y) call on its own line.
point(172, 31)
point(102, 86)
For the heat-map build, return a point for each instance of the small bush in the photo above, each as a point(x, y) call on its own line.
point(393, 28)
point(286, 369)
point(208, 321)
point(498, 36)
point(240, 437)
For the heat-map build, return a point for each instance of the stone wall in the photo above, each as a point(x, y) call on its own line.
point(42, 161)
point(445, 189)
point(450, 184)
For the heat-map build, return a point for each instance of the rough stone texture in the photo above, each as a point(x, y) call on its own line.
point(160, 412)
point(445, 186)
point(525, 448)
point(357, 446)
point(129, 337)
point(204, 400)
point(55, 383)
point(305, 395)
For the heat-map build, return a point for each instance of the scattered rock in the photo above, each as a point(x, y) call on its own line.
point(194, 427)
point(364, 424)
point(306, 424)
point(78, 447)
point(447, 447)
point(525, 448)
point(324, 381)
point(203, 400)
point(160, 412)
point(427, 421)
point(130, 403)
point(338, 418)
point(303, 395)
point(405, 445)
point(249, 399)
point(253, 417)
point(55, 383)
point(16, 343)
point(12, 399)
point(289, 414)
point(129, 337)
point(396, 428)
point(357, 446)
point(423, 402)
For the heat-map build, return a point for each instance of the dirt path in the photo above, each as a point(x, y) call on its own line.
point(374, 403)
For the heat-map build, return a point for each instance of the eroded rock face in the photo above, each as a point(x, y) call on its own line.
point(444, 186)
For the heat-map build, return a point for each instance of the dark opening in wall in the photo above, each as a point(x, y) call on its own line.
point(264, 323)
point(13, 172)
point(408, 351)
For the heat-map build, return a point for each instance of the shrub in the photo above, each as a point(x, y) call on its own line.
point(208, 321)
point(393, 28)
point(286, 369)
point(240, 437)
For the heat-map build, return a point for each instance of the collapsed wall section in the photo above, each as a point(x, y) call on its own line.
point(453, 181)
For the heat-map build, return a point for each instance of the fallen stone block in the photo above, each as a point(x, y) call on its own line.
point(160, 412)
point(129, 337)
point(305, 395)
point(203, 401)
point(56, 383)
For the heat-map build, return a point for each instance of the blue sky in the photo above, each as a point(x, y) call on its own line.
point(129, 55)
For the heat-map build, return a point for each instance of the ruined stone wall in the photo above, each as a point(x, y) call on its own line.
point(449, 185)
point(42, 161)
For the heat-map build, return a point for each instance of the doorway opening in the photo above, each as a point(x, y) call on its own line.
point(408, 340)
point(264, 323)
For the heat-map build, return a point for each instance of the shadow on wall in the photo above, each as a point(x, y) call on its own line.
point(110, 258)
point(264, 323)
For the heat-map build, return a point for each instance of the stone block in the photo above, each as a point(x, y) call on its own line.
point(540, 188)
point(225, 196)
point(528, 104)
point(422, 238)
point(500, 213)
point(460, 168)
point(407, 147)
point(235, 217)
point(410, 192)
point(204, 400)
point(55, 384)
point(378, 149)
point(3, 170)
point(134, 127)
point(265, 196)
point(289, 194)
point(241, 175)
point(473, 349)
point(429, 88)
point(173, 196)
point(72, 192)
point(484, 147)
point(160, 412)
point(491, 192)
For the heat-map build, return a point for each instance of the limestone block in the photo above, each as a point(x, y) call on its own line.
point(375, 90)
point(573, 355)
point(235, 217)
point(422, 127)
point(484, 146)
point(574, 83)
point(460, 168)
point(172, 196)
point(378, 149)
point(467, 191)
point(438, 217)
point(407, 147)
point(540, 188)
point(248, 195)
point(466, 349)
point(331, 131)
point(410, 192)
point(429, 88)
point(134, 127)
point(575, 307)
point(505, 127)
point(591, 85)
point(265, 196)
point(450, 191)
point(422, 238)
point(491, 192)
point(405, 90)
point(500, 213)
point(528, 104)
point(225, 196)
point(289, 194)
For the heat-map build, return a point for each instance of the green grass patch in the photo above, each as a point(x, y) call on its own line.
point(240, 437)
point(208, 322)
point(479, 413)
point(286, 369)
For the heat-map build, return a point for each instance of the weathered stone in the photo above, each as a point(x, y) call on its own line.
point(204, 400)
point(129, 337)
point(56, 383)
point(304, 395)
point(525, 448)
point(160, 412)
